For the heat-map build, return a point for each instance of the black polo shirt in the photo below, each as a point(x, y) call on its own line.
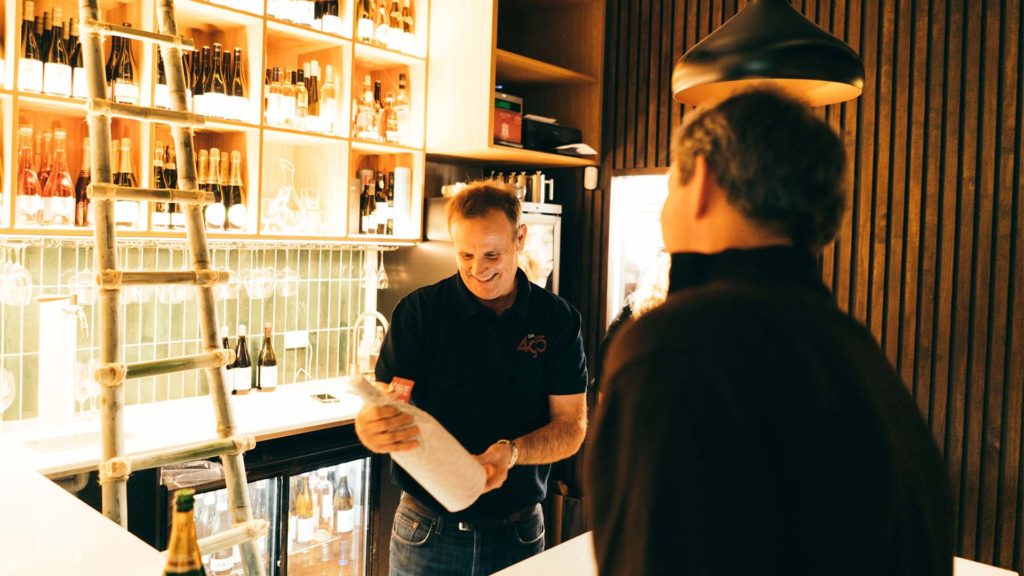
point(485, 377)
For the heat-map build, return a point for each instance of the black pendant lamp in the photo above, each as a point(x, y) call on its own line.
point(769, 42)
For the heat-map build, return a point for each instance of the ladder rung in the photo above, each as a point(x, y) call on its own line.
point(116, 373)
point(101, 191)
point(103, 107)
point(244, 532)
point(120, 467)
point(109, 29)
point(115, 279)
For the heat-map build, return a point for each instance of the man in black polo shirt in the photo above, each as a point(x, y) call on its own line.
point(499, 363)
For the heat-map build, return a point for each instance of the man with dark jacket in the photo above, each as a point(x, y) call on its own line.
point(748, 425)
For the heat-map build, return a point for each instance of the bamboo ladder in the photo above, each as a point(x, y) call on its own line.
point(115, 466)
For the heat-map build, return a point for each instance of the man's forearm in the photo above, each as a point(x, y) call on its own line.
point(553, 442)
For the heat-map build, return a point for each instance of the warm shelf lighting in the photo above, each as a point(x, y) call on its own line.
point(769, 42)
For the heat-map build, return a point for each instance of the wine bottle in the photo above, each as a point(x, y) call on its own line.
point(288, 97)
point(229, 370)
point(162, 93)
point(45, 38)
point(45, 165)
point(126, 86)
point(344, 515)
point(126, 212)
point(408, 38)
point(183, 558)
point(112, 63)
point(381, 23)
point(395, 26)
point(301, 100)
point(81, 187)
point(328, 101)
point(390, 121)
point(376, 126)
point(330, 19)
point(243, 372)
point(364, 25)
point(57, 69)
point(171, 180)
point(60, 191)
point(215, 213)
point(222, 562)
point(304, 512)
point(202, 72)
point(29, 202)
point(402, 111)
point(324, 497)
point(216, 90)
point(275, 101)
point(161, 210)
point(79, 85)
point(381, 213)
point(266, 375)
point(237, 210)
point(236, 90)
point(364, 118)
point(30, 62)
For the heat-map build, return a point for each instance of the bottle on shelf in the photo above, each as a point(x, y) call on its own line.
point(162, 92)
point(288, 104)
point(79, 87)
point(344, 514)
point(304, 518)
point(126, 212)
point(364, 126)
point(408, 37)
point(325, 507)
point(161, 210)
point(215, 91)
point(389, 120)
point(225, 192)
point(60, 192)
point(45, 166)
point(381, 23)
point(177, 218)
point(328, 101)
point(82, 212)
point(206, 508)
point(330, 19)
point(243, 371)
point(199, 80)
point(30, 61)
point(229, 370)
point(367, 203)
point(266, 375)
point(301, 100)
point(236, 211)
point(364, 24)
point(183, 557)
point(238, 103)
point(402, 110)
point(45, 37)
point(215, 213)
point(311, 76)
point(222, 562)
point(29, 203)
point(56, 67)
point(275, 99)
point(396, 40)
point(125, 83)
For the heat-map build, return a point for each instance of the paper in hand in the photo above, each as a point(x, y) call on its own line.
point(440, 463)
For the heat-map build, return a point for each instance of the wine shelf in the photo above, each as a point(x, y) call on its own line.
point(267, 41)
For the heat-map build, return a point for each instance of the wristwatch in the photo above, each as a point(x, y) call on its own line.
point(515, 451)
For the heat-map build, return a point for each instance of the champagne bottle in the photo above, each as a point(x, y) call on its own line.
point(237, 210)
point(126, 212)
point(344, 515)
point(29, 202)
point(81, 187)
point(79, 86)
point(304, 512)
point(243, 372)
point(364, 26)
point(59, 189)
point(126, 85)
point(402, 111)
point(57, 69)
point(183, 558)
point(328, 101)
point(30, 62)
point(266, 377)
point(175, 218)
point(215, 213)
point(161, 216)
point(222, 562)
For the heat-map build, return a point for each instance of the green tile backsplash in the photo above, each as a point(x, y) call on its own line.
point(318, 289)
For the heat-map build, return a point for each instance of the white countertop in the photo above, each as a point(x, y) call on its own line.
point(161, 425)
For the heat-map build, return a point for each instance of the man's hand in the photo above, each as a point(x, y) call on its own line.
point(495, 461)
point(384, 429)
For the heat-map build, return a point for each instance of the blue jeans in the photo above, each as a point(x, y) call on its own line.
point(425, 546)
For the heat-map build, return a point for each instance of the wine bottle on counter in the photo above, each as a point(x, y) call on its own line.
point(30, 62)
point(183, 557)
point(266, 375)
point(243, 371)
point(82, 212)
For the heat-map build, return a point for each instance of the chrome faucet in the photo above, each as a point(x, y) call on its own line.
point(353, 341)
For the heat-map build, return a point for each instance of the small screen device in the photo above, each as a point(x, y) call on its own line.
point(324, 397)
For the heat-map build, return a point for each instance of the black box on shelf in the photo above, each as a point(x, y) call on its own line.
point(546, 137)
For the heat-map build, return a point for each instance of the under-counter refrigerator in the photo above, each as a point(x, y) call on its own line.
point(319, 513)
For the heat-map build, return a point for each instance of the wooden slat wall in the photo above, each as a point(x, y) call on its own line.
point(930, 255)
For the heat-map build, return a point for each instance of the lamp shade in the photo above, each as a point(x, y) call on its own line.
point(769, 42)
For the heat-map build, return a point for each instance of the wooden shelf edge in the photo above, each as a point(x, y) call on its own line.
point(518, 156)
point(519, 69)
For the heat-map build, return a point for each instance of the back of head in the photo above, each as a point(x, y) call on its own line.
point(778, 163)
point(481, 198)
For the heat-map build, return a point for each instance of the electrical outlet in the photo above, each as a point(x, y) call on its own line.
point(296, 339)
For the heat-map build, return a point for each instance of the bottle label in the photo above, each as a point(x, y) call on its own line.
point(383, 31)
point(222, 565)
point(236, 216)
point(268, 377)
point(30, 207)
point(126, 212)
point(238, 108)
point(215, 218)
point(305, 530)
point(326, 507)
point(243, 378)
point(365, 30)
point(57, 79)
point(126, 92)
point(30, 75)
point(162, 96)
point(79, 83)
point(345, 520)
point(332, 24)
point(63, 209)
point(199, 104)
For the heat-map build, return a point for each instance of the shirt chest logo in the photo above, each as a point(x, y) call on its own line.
point(534, 344)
